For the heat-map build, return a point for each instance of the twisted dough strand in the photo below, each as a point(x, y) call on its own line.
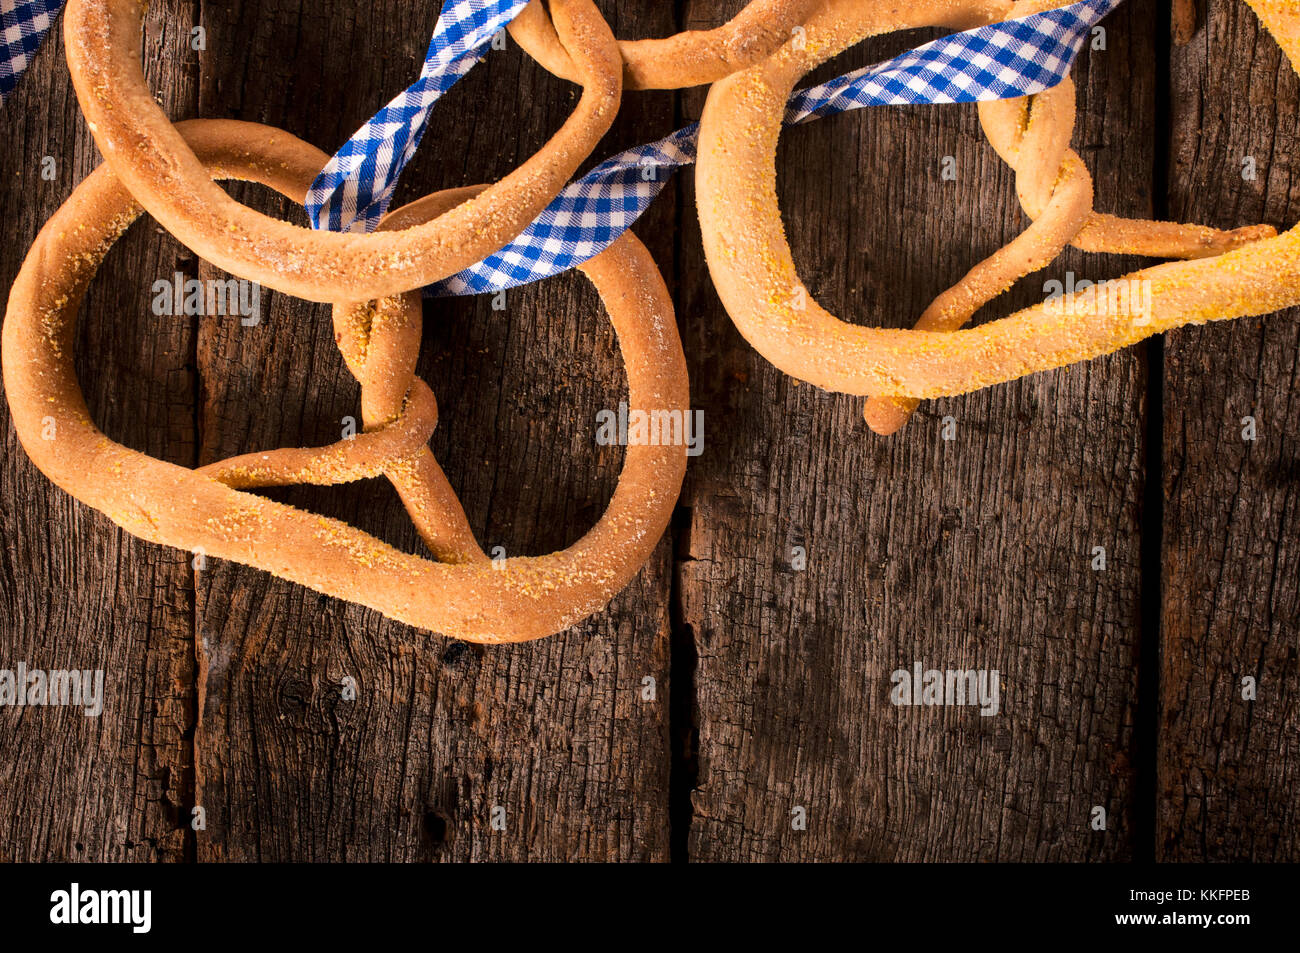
point(1063, 213)
point(692, 58)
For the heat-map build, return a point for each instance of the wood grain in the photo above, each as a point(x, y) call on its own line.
point(972, 553)
point(556, 732)
point(1229, 767)
point(771, 683)
point(75, 591)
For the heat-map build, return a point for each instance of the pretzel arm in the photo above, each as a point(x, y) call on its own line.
point(361, 457)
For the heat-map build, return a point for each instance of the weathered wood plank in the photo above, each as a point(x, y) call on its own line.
point(555, 732)
point(1229, 768)
point(969, 553)
point(973, 553)
point(75, 591)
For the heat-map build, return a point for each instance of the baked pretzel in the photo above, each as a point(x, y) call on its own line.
point(750, 261)
point(692, 58)
point(1032, 135)
point(464, 595)
point(153, 161)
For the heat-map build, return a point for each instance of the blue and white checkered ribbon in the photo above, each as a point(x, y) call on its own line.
point(1000, 61)
point(23, 25)
point(352, 192)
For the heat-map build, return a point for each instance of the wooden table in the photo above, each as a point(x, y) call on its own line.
point(1121, 688)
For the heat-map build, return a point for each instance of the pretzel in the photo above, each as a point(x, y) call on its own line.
point(753, 270)
point(692, 58)
point(1032, 135)
point(153, 161)
point(465, 595)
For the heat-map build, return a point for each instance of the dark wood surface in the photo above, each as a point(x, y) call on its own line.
point(1120, 689)
point(1231, 609)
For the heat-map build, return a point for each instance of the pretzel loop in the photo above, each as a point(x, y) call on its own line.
point(467, 595)
point(154, 162)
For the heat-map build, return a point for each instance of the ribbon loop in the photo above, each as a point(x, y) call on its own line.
point(999, 61)
point(1004, 60)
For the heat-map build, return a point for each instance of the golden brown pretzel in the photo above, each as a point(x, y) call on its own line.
point(692, 58)
point(1032, 135)
point(753, 270)
point(162, 172)
point(474, 598)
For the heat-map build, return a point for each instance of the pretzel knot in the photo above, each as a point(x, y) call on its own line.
point(691, 58)
point(463, 594)
point(753, 270)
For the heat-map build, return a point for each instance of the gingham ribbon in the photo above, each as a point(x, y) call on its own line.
point(352, 192)
point(1000, 61)
point(23, 25)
